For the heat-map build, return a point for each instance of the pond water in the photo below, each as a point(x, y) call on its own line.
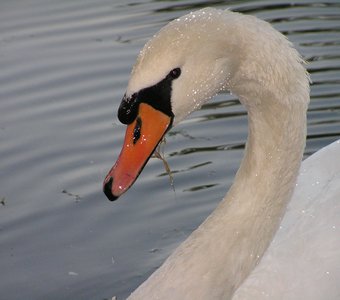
point(64, 68)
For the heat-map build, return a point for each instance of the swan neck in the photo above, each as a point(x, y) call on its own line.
point(274, 148)
point(252, 210)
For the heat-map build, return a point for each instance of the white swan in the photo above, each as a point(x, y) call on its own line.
point(185, 64)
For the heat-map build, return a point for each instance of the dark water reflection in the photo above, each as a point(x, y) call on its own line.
point(64, 68)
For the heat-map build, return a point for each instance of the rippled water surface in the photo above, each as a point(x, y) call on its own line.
point(64, 68)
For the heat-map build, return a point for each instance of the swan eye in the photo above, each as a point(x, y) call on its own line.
point(175, 73)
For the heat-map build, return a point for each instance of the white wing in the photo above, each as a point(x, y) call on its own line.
point(303, 261)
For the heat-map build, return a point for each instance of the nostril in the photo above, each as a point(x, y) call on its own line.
point(107, 189)
point(137, 130)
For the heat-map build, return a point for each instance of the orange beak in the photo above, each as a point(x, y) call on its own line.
point(141, 138)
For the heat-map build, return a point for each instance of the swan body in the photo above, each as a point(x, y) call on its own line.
point(189, 61)
point(303, 260)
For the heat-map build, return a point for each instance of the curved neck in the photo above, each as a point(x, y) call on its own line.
point(273, 154)
point(250, 213)
point(214, 261)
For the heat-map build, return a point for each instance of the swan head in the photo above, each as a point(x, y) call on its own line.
point(179, 69)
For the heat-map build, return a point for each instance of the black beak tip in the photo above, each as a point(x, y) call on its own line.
point(107, 189)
